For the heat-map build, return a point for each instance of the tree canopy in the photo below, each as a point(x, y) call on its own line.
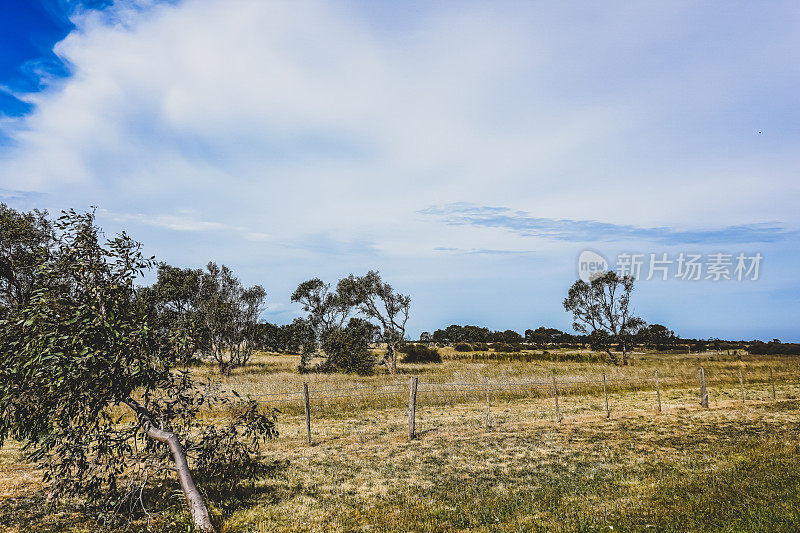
point(601, 309)
point(93, 389)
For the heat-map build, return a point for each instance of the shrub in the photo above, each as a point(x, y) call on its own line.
point(463, 347)
point(348, 351)
point(480, 347)
point(773, 348)
point(503, 347)
point(419, 353)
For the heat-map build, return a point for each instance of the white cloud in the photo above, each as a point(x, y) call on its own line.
point(182, 220)
point(268, 126)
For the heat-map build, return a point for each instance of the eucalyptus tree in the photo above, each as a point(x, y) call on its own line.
point(172, 303)
point(92, 390)
point(377, 300)
point(326, 308)
point(327, 312)
point(229, 313)
point(25, 240)
point(601, 309)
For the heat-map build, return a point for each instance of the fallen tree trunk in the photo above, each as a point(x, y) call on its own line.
point(197, 506)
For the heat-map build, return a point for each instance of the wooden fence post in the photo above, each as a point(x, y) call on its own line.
point(412, 407)
point(308, 412)
point(703, 390)
point(555, 394)
point(488, 406)
point(605, 393)
point(741, 384)
point(772, 383)
point(658, 392)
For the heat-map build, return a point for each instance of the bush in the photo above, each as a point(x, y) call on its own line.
point(773, 348)
point(419, 353)
point(348, 351)
point(463, 347)
point(507, 348)
point(480, 347)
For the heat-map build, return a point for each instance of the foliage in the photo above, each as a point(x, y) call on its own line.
point(454, 334)
point(25, 241)
point(656, 336)
point(79, 358)
point(326, 309)
point(504, 347)
point(377, 300)
point(172, 305)
point(297, 337)
point(419, 353)
point(599, 340)
point(229, 314)
point(603, 306)
point(462, 347)
point(543, 336)
point(774, 347)
point(228, 453)
point(347, 350)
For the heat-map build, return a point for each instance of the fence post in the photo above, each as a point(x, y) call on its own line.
point(412, 407)
point(658, 392)
point(308, 412)
point(703, 390)
point(605, 393)
point(555, 394)
point(741, 384)
point(488, 406)
point(772, 383)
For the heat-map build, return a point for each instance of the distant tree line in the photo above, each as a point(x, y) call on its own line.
point(774, 347)
point(655, 337)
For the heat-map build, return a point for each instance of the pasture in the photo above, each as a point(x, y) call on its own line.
point(733, 466)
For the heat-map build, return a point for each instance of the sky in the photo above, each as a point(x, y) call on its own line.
point(469, 151)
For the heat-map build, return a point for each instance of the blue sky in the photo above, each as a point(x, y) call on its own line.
point(468, 150)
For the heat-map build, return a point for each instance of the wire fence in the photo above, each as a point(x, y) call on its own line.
point(315, 413)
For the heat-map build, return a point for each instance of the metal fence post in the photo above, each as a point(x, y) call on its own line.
point(658, 392)
point(412, 407)
point(308, 411)
point(703, 390)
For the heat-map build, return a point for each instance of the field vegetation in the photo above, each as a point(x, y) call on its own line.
point(174, 407)
point(731, 467)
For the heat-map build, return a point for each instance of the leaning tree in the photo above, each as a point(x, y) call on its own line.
point(601, 309)
point(92, 391)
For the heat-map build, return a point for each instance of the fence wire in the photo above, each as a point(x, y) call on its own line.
point(559, 397)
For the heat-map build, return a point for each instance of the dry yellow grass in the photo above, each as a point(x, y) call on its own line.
point(727, 468)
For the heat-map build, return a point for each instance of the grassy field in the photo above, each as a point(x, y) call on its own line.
point(731, 467)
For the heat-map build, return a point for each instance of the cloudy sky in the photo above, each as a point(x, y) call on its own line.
point(467, 150)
